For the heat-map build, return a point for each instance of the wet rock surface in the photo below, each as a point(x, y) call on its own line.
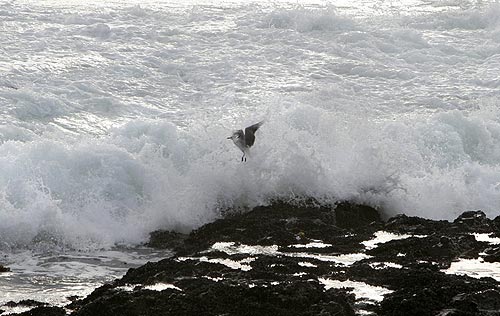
point(310, 260)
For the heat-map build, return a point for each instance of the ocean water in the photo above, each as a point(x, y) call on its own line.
point(114, 114)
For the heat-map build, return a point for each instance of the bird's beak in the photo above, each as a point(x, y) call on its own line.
point(229, 137)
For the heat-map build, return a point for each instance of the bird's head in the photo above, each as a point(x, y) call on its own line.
point(236, 135)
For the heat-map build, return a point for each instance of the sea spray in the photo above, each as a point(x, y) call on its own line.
point(116, 124)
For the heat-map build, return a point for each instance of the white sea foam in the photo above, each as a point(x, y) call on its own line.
point(307, 264)
point(363, 291)
point(385, 265)
point(475, 268)
point(51, 278)
point(114, 117)
point(236, 265)
point(487, 238)
point(231, 249)
point(383, 237)
point(316, 244)
point(342, 259)
point(161, 286)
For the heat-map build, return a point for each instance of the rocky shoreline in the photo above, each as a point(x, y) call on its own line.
point(285, 259)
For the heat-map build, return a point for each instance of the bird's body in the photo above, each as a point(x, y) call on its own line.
point(245, 140)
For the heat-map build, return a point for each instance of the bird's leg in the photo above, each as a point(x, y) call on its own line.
point(242, 157)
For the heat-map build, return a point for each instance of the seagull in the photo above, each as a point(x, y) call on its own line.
point(245, 140)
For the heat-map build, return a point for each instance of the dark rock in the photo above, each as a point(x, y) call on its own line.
point(479, 303)
point(492, 254)
point(73, 298)
point(435, 248)
point(467, 222)
point(414, 225)
point(416, 249)
point(475, 221)
point(74, 305)
point(206, 297)
point(162, 239)
point(168, 270)
point(279, 223)
point(348, 215)
point(44, 311)
point(4, 269)
point(27, 303)
point(496, 222)
point(428, 292)
point(488, 300)
point(462, 303)
point(285, 280)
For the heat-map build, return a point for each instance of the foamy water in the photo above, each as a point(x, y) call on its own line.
point(114, 115)
point(54, 277)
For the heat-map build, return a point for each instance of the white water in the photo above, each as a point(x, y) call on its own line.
point(53, 277)
point(363, 291)
point(114, 114)
point(475, 268)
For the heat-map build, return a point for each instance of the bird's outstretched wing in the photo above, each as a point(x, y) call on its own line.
point(249, 133)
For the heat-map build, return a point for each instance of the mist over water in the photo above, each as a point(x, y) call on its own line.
point(114, 117)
